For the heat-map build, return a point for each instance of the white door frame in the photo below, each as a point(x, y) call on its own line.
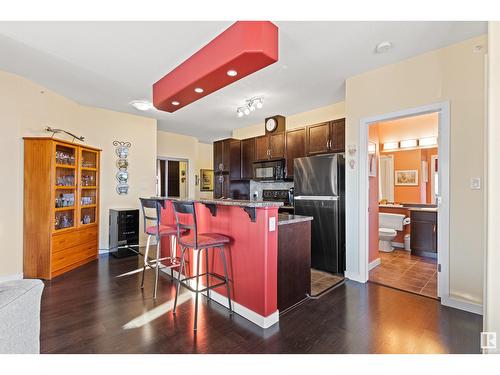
point(443, 109)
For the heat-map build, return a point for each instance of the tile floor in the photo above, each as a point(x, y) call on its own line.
point(399, 269)
point(321, 281)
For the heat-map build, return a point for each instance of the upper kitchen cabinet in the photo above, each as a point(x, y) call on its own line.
point(295, 148)
point(227, 158)
point(272, 144)
point(337, 143)
point(326, 137)
point(247, 158)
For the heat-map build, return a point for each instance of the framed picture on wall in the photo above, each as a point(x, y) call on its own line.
point(407, 177)
point(206, 180)
point(372, 159)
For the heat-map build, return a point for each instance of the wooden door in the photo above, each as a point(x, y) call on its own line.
point(337, 143)
point(318, 138)
point(234, 159)
point(295, 148)
point(277, 145)
point(247, 158)
point(262, 147)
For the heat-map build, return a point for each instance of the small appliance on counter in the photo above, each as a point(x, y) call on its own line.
point(123, 232)
point(279, 195)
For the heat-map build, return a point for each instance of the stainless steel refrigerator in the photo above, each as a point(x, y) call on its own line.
point(319, 189)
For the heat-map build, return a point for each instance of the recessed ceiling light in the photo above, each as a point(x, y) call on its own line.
point(232, 73)
point(175, 102)
point(199, 90)
point(383, 47)
point(141, 105)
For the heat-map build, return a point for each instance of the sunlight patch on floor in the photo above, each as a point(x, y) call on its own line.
point(156, 312)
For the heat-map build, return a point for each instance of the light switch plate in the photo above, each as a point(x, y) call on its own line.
point(272, 224)
point(475, 183)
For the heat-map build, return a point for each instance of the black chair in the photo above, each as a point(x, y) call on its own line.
point(151, 211)
point(198, 242)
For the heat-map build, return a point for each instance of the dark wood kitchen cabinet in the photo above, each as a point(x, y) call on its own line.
point(271, 146)
point(423, 232)
point(325, 137)
point(247, 158)
point(294, 264)
point(295, 143)
point(227, 163)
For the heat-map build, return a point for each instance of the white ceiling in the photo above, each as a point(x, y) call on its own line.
point(109, 64)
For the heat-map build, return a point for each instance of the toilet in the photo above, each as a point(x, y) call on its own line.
point(388, 226)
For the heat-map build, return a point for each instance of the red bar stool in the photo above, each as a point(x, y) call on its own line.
point(199, 242)
point(151, 211)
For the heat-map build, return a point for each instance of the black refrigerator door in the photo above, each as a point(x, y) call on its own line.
point(325, 252)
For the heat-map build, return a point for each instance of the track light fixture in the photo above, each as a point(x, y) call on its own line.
point(250, 106)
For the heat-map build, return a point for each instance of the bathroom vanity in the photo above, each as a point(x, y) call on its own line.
point(423, 240)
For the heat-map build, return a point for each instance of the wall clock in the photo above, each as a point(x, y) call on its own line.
point(275, 124)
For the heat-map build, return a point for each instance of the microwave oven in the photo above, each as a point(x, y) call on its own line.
point(269, 170)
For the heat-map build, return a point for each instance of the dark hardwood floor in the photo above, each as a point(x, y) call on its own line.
point(93, 310)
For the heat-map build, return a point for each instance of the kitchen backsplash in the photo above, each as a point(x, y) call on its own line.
point(256, 187)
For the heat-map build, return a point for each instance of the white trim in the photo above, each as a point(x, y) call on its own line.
point(354, 276)
point(443, 109)
point(17, 276)
point(374, 264)
point(400, 245)
point(456, 303)
point(245, 312)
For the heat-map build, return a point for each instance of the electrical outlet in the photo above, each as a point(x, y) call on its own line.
point(272, 224)
point(475, 183)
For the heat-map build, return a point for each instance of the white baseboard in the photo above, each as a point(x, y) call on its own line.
point(261, 321)
point(373, 264)
point(399, 245)
point(355, 277)
point(456, 303)
point(17, 276)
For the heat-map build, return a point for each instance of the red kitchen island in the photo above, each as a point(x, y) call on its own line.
point(252, 253)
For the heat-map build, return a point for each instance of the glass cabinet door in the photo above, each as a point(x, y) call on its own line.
point(88, 181)
point(64, 192)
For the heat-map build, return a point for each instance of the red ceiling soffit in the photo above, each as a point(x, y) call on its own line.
point(246, 47)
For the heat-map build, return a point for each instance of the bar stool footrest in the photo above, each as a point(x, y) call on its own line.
point(186, 285)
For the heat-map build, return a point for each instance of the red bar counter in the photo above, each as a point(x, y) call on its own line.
point(252, 253)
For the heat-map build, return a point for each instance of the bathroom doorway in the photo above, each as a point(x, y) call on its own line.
point(403, 194)
point(172, 178)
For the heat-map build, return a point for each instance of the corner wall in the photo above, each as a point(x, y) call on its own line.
point(492, 292)
point(25, 111)
point(455, 73)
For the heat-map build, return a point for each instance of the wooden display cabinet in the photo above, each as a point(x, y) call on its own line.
point(61, 206)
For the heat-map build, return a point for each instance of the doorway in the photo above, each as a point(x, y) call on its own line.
point(409, 177)
point(172, 178)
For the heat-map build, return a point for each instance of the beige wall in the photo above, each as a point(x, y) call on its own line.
point(24, 111)
point(492, 294)
point(327, 113)
point(455, 73)
point(199, 155)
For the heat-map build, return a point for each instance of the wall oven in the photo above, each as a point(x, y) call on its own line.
point(269, 170)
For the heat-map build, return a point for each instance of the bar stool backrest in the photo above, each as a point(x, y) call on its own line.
point(151, 207)
point(186, 208)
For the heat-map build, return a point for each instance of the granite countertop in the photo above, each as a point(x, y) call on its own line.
point(229, 202)
point(290, 219)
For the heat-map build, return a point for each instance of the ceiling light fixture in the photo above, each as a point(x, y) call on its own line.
point(199, 90)
point(141, 105)
point(250, 106)
point(232, 73)
point(175, 103)
point(383, 47)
